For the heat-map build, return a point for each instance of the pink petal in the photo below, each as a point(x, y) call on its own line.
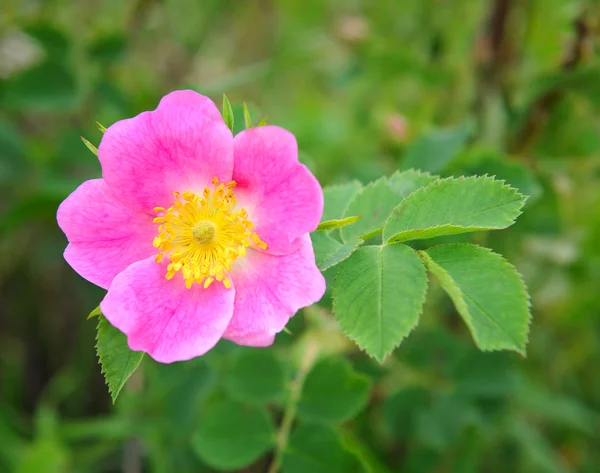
point(271, 289)
point(284, 200)
point(163, 318)
point(180, 146)
point(105, 237)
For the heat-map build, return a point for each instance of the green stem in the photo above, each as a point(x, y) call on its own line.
point(308, 359)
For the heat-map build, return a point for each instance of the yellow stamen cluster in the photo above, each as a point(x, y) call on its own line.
point(203, 235)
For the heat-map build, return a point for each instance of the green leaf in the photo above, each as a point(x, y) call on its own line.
point(406, 182)
point(48, 86)
point(263, 122)
point(256, 376)
point(45, 455)
point(434, 151)
point(247, 117)
point(117, 360)
point(514, 173)
point(487, 291)
point(378, 296)
point(400, 411)
point(337, 199)
point(374, 203)
point(232, 435)
point(101, 127)
point(333, 392)
point(333, 224)
point(55, 42)
point(95, 313)
point(89, 146)
point(317, 449)
point(107, 49)
point(228, 113)
point(452, 206)
point(329, 252)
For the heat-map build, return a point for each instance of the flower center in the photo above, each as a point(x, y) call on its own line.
point(204, 231)
point(204, 234)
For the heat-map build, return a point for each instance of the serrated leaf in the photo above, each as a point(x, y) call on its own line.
point(89, 146)
point(333, 392)
point(337, 199)
point(406, 182)
point(374, 203)
point(378, 296)
point(452, 206)
point(247, 117)
point(329, 252)
point(434, 151)
point(317, 449)
point(487, 291)
point(514, 173)
point(255, 376)
point(228, 113)
point(118, 362)
point(333, 224)
point(232, 435)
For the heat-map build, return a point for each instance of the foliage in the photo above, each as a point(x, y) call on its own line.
point(411, 90)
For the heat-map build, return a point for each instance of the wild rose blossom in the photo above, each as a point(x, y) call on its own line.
point(196, 234)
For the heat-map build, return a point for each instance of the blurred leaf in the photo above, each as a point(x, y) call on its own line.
point(107, 49)
point(101, 127)
point(329, 252)
point(31, 207)
point(378, 296)
point(556, 408)
point(55, 42)
point(48, 86)
point(117, 360)
point(333, 224)
point(337, 199)
point(368, 457)
point(434, 151)
point(256, 376)
point(317, 449)
point(333, 392)
point(44, 455)
point(231, 435)
point(228, 113)
point(487, 291)
point(453, 206)
point(582, 80)
point(11, 153)
point(247, 117)
point(406, 182)
point(535, 448)
point(374, 203)
point(400, 410)
point(438, 426)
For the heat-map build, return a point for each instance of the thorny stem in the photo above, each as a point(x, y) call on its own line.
point(308, 359)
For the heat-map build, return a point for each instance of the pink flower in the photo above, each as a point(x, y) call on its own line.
point(196, 234)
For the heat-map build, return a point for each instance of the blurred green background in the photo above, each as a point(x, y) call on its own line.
point(505, 87)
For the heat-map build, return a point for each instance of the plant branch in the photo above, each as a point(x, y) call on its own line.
point(308, 359)
point(539, 111)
